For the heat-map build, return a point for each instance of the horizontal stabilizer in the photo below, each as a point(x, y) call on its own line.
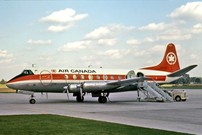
point(182, 71)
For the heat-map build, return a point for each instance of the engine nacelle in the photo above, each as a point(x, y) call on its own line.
point(95, 86)
point(74, 88)
point(89, 87)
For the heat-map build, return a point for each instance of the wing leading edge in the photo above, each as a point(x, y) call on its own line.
point(126, 82)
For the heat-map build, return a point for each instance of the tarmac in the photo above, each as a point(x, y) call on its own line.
point(123, 108)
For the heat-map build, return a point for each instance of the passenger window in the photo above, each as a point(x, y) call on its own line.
point(98, 77)
point(105, 77)
point(82, 77)
point(119, 77)
point(90, 77)
point(66, 77)
point(74, 77)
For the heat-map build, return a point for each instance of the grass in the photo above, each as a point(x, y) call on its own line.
point(61, 125)
point(3, 86)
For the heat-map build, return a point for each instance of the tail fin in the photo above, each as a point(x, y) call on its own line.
point(170, 61)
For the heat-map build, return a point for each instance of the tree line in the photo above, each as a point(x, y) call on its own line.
point(2, 81)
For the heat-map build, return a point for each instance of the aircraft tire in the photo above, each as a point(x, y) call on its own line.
point(102, 99)
point(32, 101)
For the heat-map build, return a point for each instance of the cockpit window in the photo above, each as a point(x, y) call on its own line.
point(27, 72)
point(24, 73)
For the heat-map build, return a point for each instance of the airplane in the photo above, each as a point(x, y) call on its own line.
point(99, 82)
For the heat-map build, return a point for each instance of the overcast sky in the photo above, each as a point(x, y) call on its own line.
point(126, 34)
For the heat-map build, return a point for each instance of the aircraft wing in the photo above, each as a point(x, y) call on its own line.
point(126, 82)
point(182, 71)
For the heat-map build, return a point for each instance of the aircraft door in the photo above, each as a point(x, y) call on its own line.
point(46, 77)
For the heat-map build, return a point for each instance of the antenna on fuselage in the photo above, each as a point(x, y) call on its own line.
point(33, 65)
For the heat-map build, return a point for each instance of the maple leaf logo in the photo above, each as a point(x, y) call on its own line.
point(171, 58)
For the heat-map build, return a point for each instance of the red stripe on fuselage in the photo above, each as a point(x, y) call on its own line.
point(23, 78)
point(68, 77)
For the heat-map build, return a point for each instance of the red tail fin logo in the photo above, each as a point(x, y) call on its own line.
point(171, 58)
point(170, 61)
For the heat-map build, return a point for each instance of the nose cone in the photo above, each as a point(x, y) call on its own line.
point(9, 85)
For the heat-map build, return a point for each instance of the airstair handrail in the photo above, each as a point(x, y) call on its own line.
point(154, 91)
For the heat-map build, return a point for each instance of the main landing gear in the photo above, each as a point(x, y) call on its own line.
point(79, 98)
point(102, 99)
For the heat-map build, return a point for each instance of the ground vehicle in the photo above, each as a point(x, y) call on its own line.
point(178, 95)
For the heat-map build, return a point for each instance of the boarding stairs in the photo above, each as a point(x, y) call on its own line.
point(152, 91)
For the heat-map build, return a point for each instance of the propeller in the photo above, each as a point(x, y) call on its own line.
point(66, 91)
point(46, 95)
point(43, 94)
point(81, 92)
point(67, 94)
point(107, 95)
point(108, 99)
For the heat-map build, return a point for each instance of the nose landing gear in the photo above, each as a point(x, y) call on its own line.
point(32, 100)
